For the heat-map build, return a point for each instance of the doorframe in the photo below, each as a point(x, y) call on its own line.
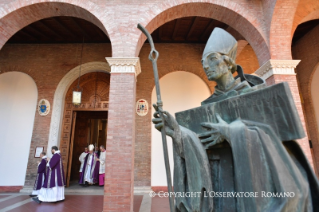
point(66, 135)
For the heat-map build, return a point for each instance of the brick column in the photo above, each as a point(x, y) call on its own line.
point(277, 71)
point(119, 167)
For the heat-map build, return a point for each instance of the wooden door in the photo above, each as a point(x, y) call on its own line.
point(71, 150)
point(80, 142)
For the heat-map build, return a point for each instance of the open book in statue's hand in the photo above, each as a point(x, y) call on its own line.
point(217, 132)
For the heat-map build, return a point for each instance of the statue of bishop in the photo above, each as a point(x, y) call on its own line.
point(242, 139)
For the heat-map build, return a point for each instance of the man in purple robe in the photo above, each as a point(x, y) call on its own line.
point(53, 187)
point(40, 175)
point(89, 175)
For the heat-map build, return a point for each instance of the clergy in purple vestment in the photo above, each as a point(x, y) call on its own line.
point(89, 175)
point(53, 186)
point(40, 175)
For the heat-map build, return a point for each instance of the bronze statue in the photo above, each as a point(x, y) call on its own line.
point(241, 140)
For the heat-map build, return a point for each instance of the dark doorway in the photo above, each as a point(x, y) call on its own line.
point(90, 128)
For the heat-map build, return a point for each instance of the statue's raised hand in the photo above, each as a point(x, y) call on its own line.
point(171, 126)
point(217, 133)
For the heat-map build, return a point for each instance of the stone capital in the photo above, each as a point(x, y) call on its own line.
point(282, 67)
point(124, 65)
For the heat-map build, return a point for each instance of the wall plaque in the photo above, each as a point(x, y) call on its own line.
point(44, 107)
point(141, 107)
point(38, 151)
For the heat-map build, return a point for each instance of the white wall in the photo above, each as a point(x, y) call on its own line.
point(18, 100)
point(180, 91)
point(314, 94)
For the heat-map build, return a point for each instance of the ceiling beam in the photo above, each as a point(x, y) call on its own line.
point(192, 28)
point(80, 28)
point(62, 25)
point(49, 29)
point(23, 31)
point(176, 26)
point(101, 34)
point(37, 31)
point(207, 30)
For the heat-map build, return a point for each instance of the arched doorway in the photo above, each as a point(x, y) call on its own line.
point(84, 124)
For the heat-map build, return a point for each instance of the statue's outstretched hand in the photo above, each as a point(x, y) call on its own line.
point(217, 133)
point(171, 126)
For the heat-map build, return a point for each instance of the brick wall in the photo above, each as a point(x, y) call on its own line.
point(248, 60)
point(46, 64)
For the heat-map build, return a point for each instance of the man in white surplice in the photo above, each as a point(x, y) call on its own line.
point(81, 159)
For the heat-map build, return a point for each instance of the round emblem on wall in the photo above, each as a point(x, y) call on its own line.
point(44, 107)
point(141, 107)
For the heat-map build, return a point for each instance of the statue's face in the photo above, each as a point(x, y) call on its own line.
point(214, 66)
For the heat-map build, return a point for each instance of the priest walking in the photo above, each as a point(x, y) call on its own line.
point(40, 175)
point(88, 176)
point(53, 187)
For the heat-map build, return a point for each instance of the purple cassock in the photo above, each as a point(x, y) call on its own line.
point(40, 175)
point(55, 169)
point(94, 169)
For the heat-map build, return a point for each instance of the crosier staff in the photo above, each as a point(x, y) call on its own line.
point(153, 57)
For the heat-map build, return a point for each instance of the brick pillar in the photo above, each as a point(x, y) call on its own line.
point(119, 167)
point(277, 71)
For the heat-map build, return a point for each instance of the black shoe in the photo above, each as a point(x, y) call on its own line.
point(31, 195)
point(36, 199)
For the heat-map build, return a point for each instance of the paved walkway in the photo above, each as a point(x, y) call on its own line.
point(17, 202)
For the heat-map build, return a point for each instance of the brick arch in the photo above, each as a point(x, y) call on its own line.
point(60, 93)
point(281, 29)
point(307, 10)
point(310, 116)
point(22, 13)
point(237, 18)
point(287, 15)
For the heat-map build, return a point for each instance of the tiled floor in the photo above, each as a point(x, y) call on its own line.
point(11, 201)
point(73, 203)
point(160, 204)
point(3, 196)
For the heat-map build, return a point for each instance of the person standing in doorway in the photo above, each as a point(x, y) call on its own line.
point(88, 177)
point(40, 175)
point(53, 187)
point(102, 165)
point(81, 159)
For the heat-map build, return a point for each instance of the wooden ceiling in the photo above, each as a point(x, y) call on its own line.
point(60, 29)
point(65, 29)
point(187, 30)
point(303, 29)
